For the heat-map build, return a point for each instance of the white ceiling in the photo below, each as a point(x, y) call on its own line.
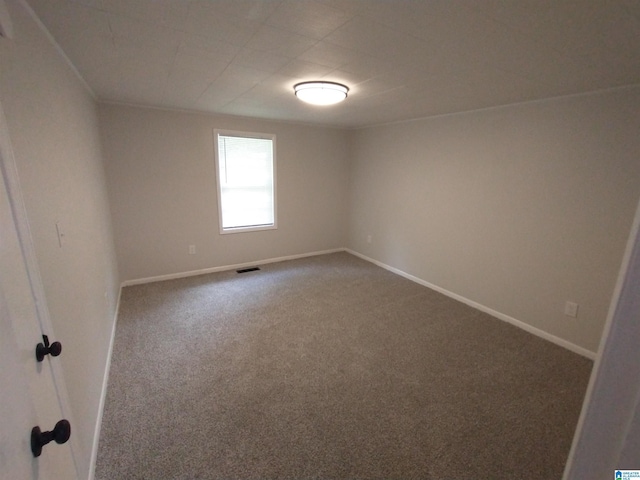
point(402, 59)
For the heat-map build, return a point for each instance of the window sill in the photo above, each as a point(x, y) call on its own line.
point(257, 228)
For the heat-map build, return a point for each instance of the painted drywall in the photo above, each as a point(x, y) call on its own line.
point(608, 432)
point(53, 127)
point(162, 185)
point(519, 208)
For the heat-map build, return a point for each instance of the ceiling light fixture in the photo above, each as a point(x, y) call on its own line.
point(321, 93)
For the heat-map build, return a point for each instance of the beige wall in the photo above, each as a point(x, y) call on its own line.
point(53, 128)
point(518, 208)
point(161, 174)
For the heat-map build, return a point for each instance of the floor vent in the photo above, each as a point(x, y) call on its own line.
point(245, 270)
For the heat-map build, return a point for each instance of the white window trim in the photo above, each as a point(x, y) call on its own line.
point(236, 133)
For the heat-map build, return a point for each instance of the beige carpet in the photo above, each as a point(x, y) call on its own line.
point(330, 367)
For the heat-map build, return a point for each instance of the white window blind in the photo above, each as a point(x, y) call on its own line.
point(246, 181)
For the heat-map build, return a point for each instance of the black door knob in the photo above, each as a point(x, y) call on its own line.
point(44, 349)
point(60, 434)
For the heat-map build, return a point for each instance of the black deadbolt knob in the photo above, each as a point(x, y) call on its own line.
point(44, 349)
point(60, 434)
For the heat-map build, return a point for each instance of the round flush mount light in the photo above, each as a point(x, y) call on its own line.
point(321, 93)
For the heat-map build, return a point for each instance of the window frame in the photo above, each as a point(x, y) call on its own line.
point(263, 136)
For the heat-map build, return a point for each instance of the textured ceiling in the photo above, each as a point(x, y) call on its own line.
point(402, 59)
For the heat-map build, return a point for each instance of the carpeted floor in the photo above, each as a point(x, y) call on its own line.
point(330, 367)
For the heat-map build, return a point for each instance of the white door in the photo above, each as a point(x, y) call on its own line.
point(28, 395)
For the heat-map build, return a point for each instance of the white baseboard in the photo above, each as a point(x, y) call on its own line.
point(203, 271)
point(103, 394)
point(501, 316)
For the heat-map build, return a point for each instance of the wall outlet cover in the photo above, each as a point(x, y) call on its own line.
point(571, 309)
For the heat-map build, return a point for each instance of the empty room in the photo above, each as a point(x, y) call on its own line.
point(334, 239)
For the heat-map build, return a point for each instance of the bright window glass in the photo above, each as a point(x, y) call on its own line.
point(246, 181)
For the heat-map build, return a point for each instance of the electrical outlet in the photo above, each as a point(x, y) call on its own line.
point(571, 309)
point(192, 249)
point(369, 239)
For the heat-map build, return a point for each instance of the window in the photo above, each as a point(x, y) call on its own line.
point(246, 173)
